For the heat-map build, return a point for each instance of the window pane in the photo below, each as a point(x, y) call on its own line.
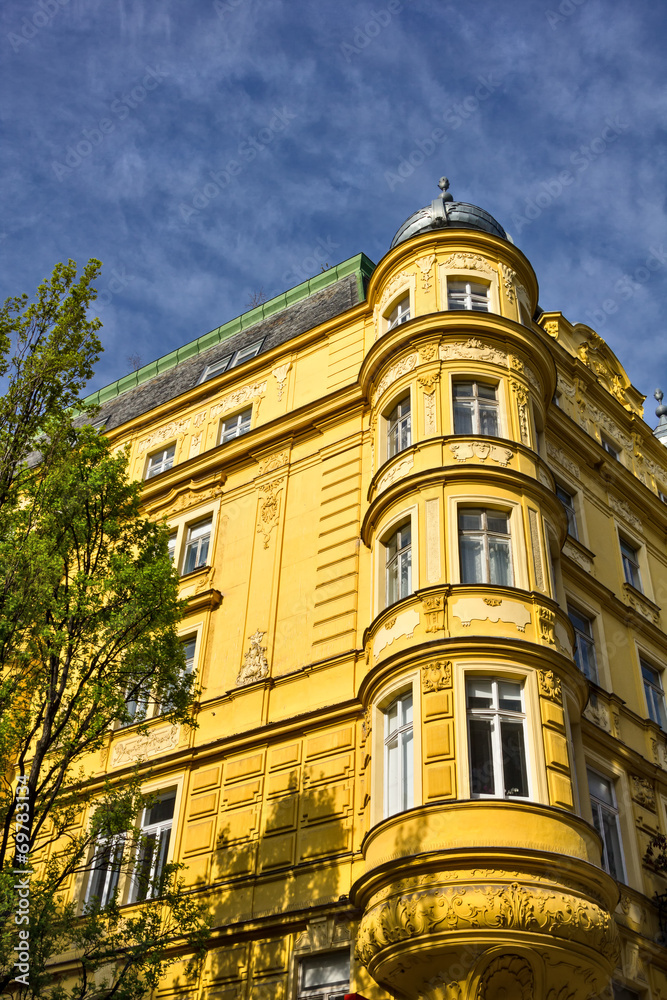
point(463, 418)
point(500, 565)
point(161, 810)
point(472, 559)
point(612, 843)
point(480, 693)
point(325, 970)
point(189, 650)
point(470, 519)
point(392, 717)
point(406, 710)
point(509, 696)
point(463, 390)
point(406, 573)
point(600, 787)
point(486, 391)
point(497, 522)
point(514, 758)
point(407, 762)
point(488, 421)
point(481, 758)
point(392, 763)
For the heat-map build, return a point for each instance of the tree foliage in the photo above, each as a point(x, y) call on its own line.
point(88, 613)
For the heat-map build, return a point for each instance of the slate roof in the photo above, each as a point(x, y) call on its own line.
point(276, 329)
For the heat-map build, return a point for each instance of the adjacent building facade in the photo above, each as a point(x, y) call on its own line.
point(421, 528)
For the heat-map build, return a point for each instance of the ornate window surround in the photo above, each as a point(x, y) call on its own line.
point(519, 547)
point(501, 395)
point(464, 670)
point(481, 272)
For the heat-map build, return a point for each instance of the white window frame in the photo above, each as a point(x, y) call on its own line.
point(161, 857)
point(469, 296)
point(115, 846)
point(474, 408)
point(485, 533)
point(598, 807)
point(402, 424)
point(235, 425)
point(400, 738)
point(630, 564)
point(570, 510)
point(399, 312)
point(610, 447)
point(199, 540)
point(586, 638)
point(323, 991)
point(398, 558)
point(386, 695)
point(655, 702)
point(167, 458)
point(230, 361)
point(496, 716)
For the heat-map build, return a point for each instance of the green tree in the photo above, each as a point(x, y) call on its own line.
point(88, 613)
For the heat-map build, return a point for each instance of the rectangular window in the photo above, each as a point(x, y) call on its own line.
point(606, 822)
point(630, 557)
point(171, 545)
point(104, 871)
point(399, 564)
point(475, 409)
point(467, 295)
point(197, 545)
point(246, 353)
point(610, 448)
point(485, 547)
point(584, 644)
point(136, 702)
point(189, 647)
point(399, 314)
point(155, 835)
point(235, 426)
point(160, 461)
point(398, 756)
point(496, 738)
point(655, 696)
point(567, 500)
point(399, 428)
point(324, 977)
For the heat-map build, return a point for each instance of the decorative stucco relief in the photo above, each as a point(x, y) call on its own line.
point(396, 472)
point(171, 430)
point(639, 603)
point(243, 395)
point(522, 406)
point(402, 625)
point(550, 686)
point(434, 606)
point(643, 792)
point(402, 367)
point(491, 609)
point(255, 665)
point(624, 511)
point(526, 908)
point(559, 456)
point(425, 265)
point(436, 676)
point(463, 451)
point(280, 375)
point(138, 748)
point(269, 509)
point(273, 462)
point(469, 262)
point(509, 279)
point(473, 350)
point(577, 556)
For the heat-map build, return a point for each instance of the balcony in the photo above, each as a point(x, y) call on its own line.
point(476, 880)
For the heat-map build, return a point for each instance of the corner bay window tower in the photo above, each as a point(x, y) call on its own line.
point(420, 526)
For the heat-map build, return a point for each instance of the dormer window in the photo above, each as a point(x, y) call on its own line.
point(467, 295)
point(399, 314)
point(231, 360)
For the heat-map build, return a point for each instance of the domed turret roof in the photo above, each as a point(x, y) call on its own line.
point(445, 213)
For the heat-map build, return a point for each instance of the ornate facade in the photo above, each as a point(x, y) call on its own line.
point(421, 528)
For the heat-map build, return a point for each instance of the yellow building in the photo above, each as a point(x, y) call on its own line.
point(421, 528)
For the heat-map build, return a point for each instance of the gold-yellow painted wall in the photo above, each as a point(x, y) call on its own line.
point(281, 817)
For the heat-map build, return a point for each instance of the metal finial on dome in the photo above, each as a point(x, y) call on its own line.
point(443, 184)
point(661, 409)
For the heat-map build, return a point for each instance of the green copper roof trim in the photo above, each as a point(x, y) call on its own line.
point(361, 266)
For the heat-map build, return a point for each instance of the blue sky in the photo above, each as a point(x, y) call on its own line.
point(207, 150)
